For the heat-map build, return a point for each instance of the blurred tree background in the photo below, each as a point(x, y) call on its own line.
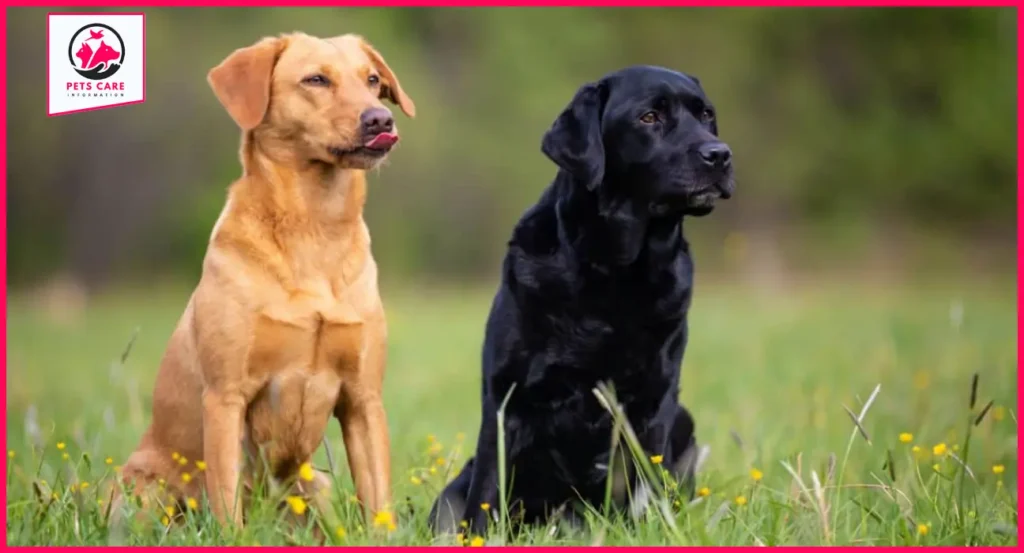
point(870, 140)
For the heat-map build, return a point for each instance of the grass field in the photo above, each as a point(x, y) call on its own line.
point(768, 378)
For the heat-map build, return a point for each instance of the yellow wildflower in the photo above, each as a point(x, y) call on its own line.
point(998, 469)
point(175, 456)
point(54, 496)
point(60, 446)
point(464, 524)
point(65, 457)
point(10, 454)
point(485, 506)
point(999, 413)
point(201, 465)
point(922, 529)
point(939, 449)
point(916, 449)
point(84, 485)
point(297, 504)
point(460, 538)
point(476, 542)
point(161, 482)
point(936, 467)
point(756, 475)
point(415, 480)
point(186, 477)
point(182, 461)
point(306, 472)
point(657, 459)
point(340, 532)
point(433, 470)
point(741, 500)
point(906, 437)
point(165, 520)
point(435, 448)
point(384, 519)
point(441, 461)
point(704, 492)
point(110, 461)
point(169, 510)
point(192, 503)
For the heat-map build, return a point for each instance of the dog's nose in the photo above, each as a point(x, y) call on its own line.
point(376, 121)
point(715, 154)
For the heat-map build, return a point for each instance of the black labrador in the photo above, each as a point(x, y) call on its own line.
point(596, 285)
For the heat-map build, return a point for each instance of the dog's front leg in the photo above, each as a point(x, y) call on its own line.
point(222, 447)
point(364, 428)
point(483, 488)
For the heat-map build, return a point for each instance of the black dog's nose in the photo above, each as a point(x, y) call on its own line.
point(376, 121)
point(716, 155)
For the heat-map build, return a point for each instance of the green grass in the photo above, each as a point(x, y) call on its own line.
point(768, 378)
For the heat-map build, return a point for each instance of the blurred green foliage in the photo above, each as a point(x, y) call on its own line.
point(851, 128)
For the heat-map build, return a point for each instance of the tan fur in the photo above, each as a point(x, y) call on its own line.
point(286, 326)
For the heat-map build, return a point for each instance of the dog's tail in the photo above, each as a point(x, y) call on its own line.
point(450, 507)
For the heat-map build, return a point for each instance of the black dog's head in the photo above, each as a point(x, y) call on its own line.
point(646, 135)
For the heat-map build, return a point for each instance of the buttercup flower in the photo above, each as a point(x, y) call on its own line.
point(476, 542)
point(65, 456)
point(922, 529)
point(998, 469)
point(201, 465)
point(340, 532)
point(741, 500)
point(756, 475)
point(175, 456)
point(384, 519)
point(169, 510)
point(704, 492)
point(939, 449)
point(906, 437)
point(10, 454)
point(657, 459)
point(182, 461)
point(192, 503)
point(306, 472)
point(485, 506)
point(186, 477)
point(416, 481)
point(60, 446)
point(297, 504)
point(110, 461)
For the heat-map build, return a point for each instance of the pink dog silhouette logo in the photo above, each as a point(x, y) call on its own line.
point(98, 53)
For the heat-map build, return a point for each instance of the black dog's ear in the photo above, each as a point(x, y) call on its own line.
point(574, 141)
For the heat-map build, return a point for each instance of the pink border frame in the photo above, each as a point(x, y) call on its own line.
point(490, 3)
point(108, 106)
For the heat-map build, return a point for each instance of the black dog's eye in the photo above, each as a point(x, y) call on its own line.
point(316, 80)
point(707, 115)
point(650, 117)
point(373, 80)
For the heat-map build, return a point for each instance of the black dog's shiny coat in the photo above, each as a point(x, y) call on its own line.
point(596, 285)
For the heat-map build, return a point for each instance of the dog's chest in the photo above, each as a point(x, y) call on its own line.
point(303, 349)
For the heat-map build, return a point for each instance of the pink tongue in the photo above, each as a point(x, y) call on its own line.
point(382, 140)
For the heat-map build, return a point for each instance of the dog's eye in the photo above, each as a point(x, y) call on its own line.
point(373, 80)
point(316, 80)
point(707, 115)
point(650, 117)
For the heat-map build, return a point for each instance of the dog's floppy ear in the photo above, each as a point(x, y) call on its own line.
point(390, 87)
point(574, 141)
point(242, 81)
